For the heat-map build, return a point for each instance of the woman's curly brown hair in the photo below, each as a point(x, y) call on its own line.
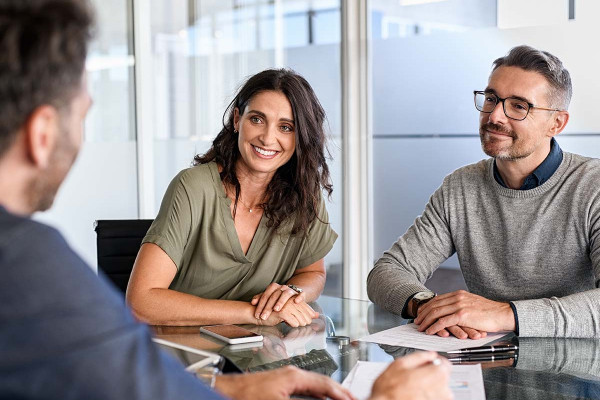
point(295, 189)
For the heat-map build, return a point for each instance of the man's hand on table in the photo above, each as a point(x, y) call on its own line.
point(464, 315)
point(279, 384)
point(462, 332)
point(414, 377)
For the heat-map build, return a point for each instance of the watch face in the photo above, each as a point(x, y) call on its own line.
point(424, 296)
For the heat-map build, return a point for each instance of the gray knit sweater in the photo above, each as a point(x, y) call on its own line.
point(539, 248)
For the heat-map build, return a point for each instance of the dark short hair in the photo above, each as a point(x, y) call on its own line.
point(546, 64)
point(43, 47)
point(296, 186)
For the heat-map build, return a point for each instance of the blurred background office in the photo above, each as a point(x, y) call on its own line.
point(396, 78)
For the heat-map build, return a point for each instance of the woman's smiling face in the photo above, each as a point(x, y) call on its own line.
point(267, 136)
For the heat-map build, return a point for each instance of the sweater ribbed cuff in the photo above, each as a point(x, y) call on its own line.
point(536, 318)
point(404, 294)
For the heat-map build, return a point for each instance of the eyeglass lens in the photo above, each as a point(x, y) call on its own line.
point(513, 108)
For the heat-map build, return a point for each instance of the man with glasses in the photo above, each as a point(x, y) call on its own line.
point(524, 223)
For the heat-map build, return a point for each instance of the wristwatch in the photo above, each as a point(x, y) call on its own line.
point(295, 288)
point(418, 299)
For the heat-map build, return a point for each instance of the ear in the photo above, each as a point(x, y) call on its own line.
point(236, 118)
point(559, 122)
point(41, 131)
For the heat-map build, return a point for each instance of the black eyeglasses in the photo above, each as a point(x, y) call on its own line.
point(514, 108)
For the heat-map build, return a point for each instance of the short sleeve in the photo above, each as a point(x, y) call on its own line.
point(320, 238)
point(171, 228)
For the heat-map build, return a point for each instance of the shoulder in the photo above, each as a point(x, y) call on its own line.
point(320, 221)
point(321, 215)
point(321, 225)
point(194, 182)
point(202, 176)
point(583, 175)
point(321, 206)
point(585, 165)
point(471, 173)
point(478, 169)
point(41, 272)
point(20, 233)
point(38, 253)
point(583, 172)
point(460, 181)
point(196, 174)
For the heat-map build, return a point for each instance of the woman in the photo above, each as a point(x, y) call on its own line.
point(240, 237)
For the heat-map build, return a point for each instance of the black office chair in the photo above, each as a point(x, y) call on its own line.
point(118, 242)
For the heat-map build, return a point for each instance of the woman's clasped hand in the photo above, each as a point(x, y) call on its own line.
point(285, 303)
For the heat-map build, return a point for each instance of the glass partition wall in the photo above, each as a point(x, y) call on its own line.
point(197, 52)
point(428, 57)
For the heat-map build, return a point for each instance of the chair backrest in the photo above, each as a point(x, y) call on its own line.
point(118, 242)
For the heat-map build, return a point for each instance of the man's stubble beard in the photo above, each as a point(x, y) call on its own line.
point(508, 153)
point(43, 189)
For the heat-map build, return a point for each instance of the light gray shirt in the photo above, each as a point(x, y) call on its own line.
point(538, 248)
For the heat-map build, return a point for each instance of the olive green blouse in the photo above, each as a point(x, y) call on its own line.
point(195, 228)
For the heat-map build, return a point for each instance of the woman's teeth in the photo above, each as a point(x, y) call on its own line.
point(264, 152)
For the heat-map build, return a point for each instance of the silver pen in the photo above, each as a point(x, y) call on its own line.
point(486, 349)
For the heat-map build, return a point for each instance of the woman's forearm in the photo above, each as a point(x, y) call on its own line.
point(169, 307)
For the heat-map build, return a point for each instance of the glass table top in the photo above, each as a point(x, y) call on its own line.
point(547, 368)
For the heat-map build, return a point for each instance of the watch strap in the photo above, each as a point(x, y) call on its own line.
point(413, 304)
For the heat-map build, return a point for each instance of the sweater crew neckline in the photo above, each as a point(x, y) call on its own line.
point(530, 193)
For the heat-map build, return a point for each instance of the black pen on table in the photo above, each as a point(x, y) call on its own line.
point(499, 348)
point(484, 358)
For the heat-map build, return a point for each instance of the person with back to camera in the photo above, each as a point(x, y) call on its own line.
point(240, 236)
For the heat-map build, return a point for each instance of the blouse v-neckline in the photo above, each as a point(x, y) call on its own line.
point(232, 235)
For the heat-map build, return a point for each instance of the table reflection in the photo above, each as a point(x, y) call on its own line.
point(546, 368)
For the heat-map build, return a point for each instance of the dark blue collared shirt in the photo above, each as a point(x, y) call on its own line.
point(542, 173)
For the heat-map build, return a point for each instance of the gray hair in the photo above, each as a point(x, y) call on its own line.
point(546, 64)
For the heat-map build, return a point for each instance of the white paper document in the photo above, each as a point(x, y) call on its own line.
point(409, 336)
point(466, 381)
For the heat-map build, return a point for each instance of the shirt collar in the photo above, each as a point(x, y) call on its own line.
point(542, 173)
